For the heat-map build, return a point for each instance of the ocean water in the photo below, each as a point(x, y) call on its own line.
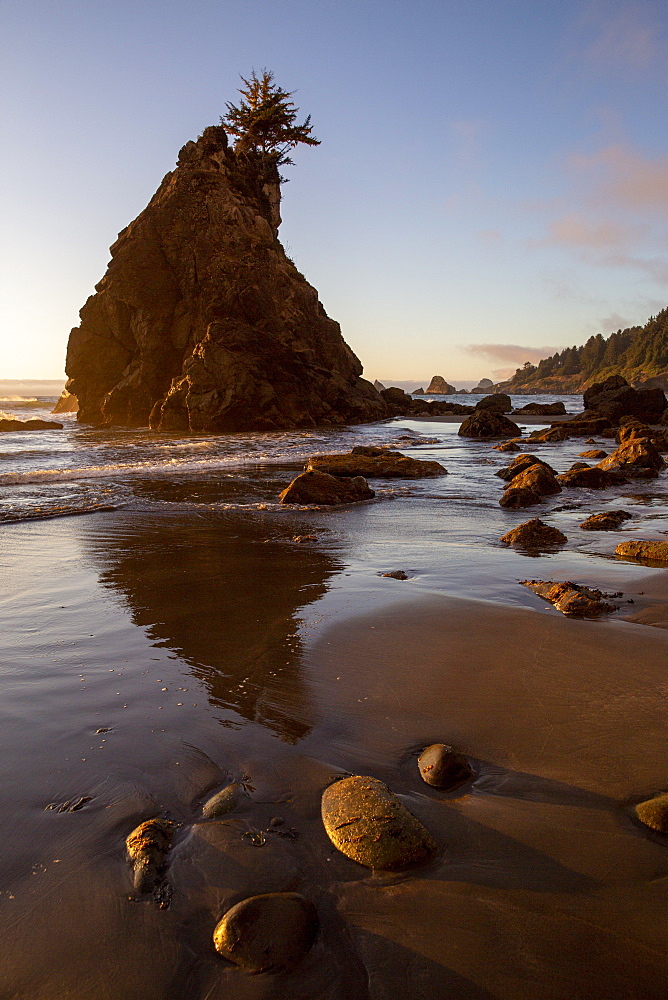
point(445, 531)
point(50, 472)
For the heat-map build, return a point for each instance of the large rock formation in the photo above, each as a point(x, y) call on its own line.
point(203, 323)
point(615, 398)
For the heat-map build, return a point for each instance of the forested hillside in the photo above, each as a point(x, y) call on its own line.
point(638, 353)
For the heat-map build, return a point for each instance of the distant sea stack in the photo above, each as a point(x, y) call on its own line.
point(439, 387)
point(202, 323)
point(483, 387)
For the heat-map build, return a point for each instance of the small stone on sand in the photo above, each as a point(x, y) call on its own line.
point(443, 767)
point(224, 801)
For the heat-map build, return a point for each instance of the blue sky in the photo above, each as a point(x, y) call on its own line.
point(492, 182)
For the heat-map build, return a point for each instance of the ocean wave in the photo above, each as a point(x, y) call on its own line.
point(142, 468)
point(283, 455)
point(22, 400)
point(45, 513)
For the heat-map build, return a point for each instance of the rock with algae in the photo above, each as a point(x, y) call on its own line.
point(367, 822)
point(572, 598)
point(147, 846)
point(655, 553)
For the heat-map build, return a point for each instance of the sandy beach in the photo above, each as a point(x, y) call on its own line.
point(152, 656)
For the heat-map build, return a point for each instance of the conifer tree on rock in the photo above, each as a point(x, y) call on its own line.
point(264, 123)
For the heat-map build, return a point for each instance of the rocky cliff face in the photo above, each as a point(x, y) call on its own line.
point(201, 321)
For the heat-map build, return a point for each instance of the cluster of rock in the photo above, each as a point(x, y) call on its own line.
point(337, 479)
point(637, 455)
point(400, 404)
point(606, 405)
point(271, 932)
point(528, 479)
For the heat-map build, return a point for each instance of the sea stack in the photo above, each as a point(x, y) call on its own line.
point(202, 323)
point(439, 387)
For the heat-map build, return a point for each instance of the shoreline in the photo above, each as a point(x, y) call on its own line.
point(534, 419)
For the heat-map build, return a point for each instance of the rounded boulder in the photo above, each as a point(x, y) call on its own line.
point(267, 933)
point(367, 822)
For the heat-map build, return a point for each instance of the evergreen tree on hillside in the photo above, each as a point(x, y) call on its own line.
point(264, 123)
point(636, 353)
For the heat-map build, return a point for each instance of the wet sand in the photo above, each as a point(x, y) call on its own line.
point(212, 648)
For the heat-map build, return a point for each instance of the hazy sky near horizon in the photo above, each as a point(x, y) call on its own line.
point(492, 182)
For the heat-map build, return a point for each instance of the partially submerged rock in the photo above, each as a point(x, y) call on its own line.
point(654, 812)
point(538, 478)
point(507, 446)
point(396, 574)
point(609, 520)
point(7, 424)
point(593, 479)
point(534, 534)
point(147, 846)
point(224, 801)
point(521, 464)
point(571, 598)
point(315, 487)
point(267, 933)
point(529, 479)
point(67, 403)
point(369, 824)
point(594, 453)
point(518, 497)
point(376, 463)
point(443, 767)
point(642, 551)
point(488, 424)
point(558, 433)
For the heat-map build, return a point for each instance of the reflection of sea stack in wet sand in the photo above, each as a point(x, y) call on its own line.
point(203, 323)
